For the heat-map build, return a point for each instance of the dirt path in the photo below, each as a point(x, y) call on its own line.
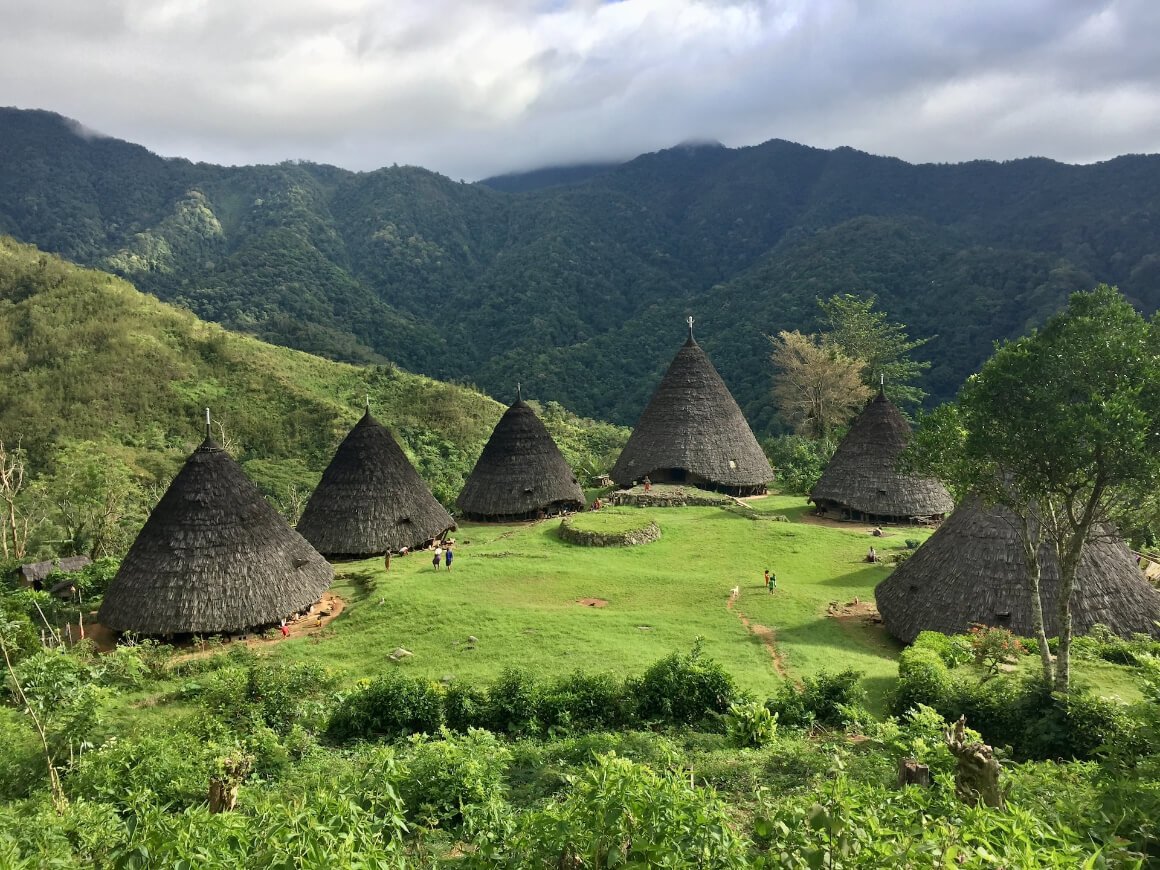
point(763, 633)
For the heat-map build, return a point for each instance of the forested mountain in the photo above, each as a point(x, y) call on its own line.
point(580, 288)
point(85, 358)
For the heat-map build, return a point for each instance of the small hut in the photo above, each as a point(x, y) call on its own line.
point(35, 573)
point(521, 473)
point(692, 432)
point(213, 557)
point(861, 483)
point(371, 500)
point(972, 571)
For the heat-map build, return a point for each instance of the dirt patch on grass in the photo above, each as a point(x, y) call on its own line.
point(320, 616)
point(845, 525)
point(854, 611)
point(592, 602)
point(765, 634)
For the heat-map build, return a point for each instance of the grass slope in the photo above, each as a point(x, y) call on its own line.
point(516, 589)
point(84, 356)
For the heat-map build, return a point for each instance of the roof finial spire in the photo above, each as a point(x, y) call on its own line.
point(207, 429)
point(368, 402)
point(519, 393)
point(882, 384)
point(690, 327)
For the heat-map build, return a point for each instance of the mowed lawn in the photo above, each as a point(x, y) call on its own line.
point(516, 588)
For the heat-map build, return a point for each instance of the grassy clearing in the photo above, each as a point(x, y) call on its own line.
point(611, 521)
point(517, 589)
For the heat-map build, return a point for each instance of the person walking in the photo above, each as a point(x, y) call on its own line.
point(766, 578)
point(447, 557)
point(437, 557)
point(772, 583)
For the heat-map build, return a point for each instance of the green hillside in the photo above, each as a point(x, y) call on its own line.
point(577, 281)
point(86, 357)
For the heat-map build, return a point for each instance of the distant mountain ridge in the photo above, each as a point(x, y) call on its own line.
point(580, 288)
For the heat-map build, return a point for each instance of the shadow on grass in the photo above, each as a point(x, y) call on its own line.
point(853, 637)
point(362, 582)
point(879, 691)
point(866, 577)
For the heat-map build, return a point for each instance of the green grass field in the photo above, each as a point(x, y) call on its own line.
point(516, 588)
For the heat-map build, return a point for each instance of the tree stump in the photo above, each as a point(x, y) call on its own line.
point(223, 784)
point(910, 772)
point(977, 770)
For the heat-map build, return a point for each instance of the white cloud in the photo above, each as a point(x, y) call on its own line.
point(471, 87)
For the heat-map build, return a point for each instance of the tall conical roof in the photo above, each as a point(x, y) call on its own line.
point(861, 476)
point(972, 571)
point(371, 499)
point(520, 472)
point(213, 556)
point(693, 424)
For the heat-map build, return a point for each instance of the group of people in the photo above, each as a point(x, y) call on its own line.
point(444, 552)
point(770, 581)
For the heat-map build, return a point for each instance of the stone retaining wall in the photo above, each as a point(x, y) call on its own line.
point(628, 538)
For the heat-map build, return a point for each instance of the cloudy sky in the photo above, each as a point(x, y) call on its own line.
point(475, 87)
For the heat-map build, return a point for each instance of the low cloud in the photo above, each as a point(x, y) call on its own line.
point(475, 87)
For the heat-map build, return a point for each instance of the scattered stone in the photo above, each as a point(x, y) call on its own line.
point(472, 639)
point(400, 653)
point(592, 602)
point(447, 679)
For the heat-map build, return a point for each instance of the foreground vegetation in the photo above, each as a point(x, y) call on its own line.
point(564, 734)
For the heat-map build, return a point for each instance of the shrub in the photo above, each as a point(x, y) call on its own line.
point(457, 781)
point(584, 702)
point(276, 696)
point(830, 700)
point(512, 705)
point(750, 724)
point(923, 678)
point(954, 650)
point(20, 636)
point(620, 813)
point(391, 706)
point(463, 707)
point(683, 688)
point(993, 647)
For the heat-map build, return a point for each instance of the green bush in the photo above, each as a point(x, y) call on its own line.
point(683, 689)
point(277, 696)
point(954, 650)
point(20, 635)
point(455, 781)
point(620, 813)
point(392, 706)
point(584, 702)
point(750, 724)
point(923, 678)
point(463, 707)
point(513, 703)
point(826, 699)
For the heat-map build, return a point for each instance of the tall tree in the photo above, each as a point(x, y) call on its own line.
point(1063, 428)
point(860, 332)
point(97, 503)
point(817, 387)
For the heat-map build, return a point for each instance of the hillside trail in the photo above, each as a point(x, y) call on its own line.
point(765, 634)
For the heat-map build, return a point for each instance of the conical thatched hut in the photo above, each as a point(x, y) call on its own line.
point(521, 473)
point(972, 571)
point(693, 432)
point(371, 499)
point(860, 482)
point(213, 557)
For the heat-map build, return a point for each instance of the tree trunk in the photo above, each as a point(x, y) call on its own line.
point(977, 771)
point(910, 772)
point(223, 795)
point(1031, 541)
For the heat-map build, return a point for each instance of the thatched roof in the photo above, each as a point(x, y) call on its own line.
point(214, 556)
point(972, 571)
point(693, 425)
point(860, 476)
point(371, 499)
point(520, 472)
point(39, 571)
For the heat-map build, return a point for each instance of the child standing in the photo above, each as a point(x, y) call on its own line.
point(447, 555)
point(438, 555)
